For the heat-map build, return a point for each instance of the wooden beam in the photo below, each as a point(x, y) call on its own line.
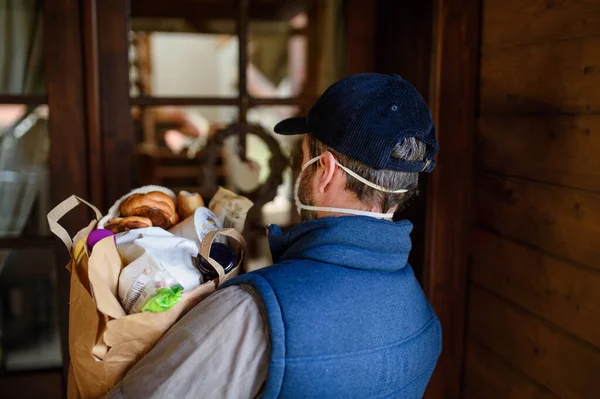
point(115, 114)
point(453, 100)
point(92, 82)
point(221, 10)
point(225, 101)
point(402, 44)
point(27, 99)
point(565, 365)
point(360, 36)
point(403, 41)
point(67, 128)
point(157, 101)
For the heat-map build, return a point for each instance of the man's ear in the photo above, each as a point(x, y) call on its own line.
point(327, 162)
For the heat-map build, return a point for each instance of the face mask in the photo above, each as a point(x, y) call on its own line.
point(300, 205)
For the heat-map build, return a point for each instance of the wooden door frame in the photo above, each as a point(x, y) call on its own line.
point(453, 100)
point(74, 118)
point(68, 159)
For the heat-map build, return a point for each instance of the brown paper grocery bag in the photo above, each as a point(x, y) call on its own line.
point(104, 342)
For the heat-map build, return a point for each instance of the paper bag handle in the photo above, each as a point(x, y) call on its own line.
point(61, 210)
point(207, 242)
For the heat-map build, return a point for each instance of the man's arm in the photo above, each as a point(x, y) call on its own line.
point(219, 349)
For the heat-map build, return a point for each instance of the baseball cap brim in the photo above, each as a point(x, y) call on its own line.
point(288, 127)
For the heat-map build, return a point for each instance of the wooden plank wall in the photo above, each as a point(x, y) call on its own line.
point(533, 319)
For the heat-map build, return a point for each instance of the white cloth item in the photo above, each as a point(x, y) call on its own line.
point(220, 349)
point(154, 258)
point(133, 243)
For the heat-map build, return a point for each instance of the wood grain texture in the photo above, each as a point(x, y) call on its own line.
point(448, 210)
point(40, 385)
point(560, 77)
point(555, 149)
point(115, 115)
point(508, 23)
point(407, 27)
point(92, 91)
point(360, 40)
point(488, 376)
point(561, 221)
point(67, 129)
point(555, 360)
point(403, 40)
point(555, 290)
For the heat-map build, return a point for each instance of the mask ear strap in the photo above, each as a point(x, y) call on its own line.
point(310, 162)
point(356, 176)
point(376, 215)
point(368, 183)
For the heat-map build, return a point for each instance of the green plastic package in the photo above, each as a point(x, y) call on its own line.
point(163, 300)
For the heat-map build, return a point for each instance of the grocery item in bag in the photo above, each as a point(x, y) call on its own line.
point(230, 208)
point(147, 286)
point(222, 254)
point(160, 267)
point(142, 207)
point(197, 226)
point(155, 205)
point(187, 203)
point(105, 342)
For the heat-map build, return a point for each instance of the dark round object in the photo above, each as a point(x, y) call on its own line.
point(223, 254)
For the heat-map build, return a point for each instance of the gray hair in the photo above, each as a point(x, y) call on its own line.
point(409, 149)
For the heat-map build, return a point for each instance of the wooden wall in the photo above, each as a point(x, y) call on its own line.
point(533, 319)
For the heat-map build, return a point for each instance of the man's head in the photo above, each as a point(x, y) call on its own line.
point(369, 136)
point(322, 188)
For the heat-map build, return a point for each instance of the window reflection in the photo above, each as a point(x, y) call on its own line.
point(24, 152)
point(28, 321)
point(181, 64)
point(21, 47)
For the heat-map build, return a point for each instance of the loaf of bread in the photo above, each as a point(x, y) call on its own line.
point(155, 205)
point(187, 203)
point(119, 225)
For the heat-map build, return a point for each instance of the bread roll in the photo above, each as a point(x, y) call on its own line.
point(187, 203)
point(156, 206)
point(119, 225)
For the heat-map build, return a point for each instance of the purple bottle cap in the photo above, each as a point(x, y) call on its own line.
point(98, 235)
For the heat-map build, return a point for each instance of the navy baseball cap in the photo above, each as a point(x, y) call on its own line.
point(364, 116)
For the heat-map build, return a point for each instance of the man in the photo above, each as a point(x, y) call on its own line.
point(340, 313)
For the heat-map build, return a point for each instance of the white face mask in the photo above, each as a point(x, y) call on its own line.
point(300, 205)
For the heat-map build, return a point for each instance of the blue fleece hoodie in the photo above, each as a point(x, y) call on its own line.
point(347, 317)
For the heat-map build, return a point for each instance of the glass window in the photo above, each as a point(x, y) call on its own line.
point(21, 47)
point(24, 176)
point(182, 57)
point(28, 318)
point(277, 49)
point(170, 139)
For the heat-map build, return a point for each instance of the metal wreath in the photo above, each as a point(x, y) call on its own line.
point(277, 163)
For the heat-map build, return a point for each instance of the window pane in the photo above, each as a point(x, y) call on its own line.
point(28, 321)
point(24, 184)
point(277, 48)
point(183, 49)
point(170, 139)
point(21, 47)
